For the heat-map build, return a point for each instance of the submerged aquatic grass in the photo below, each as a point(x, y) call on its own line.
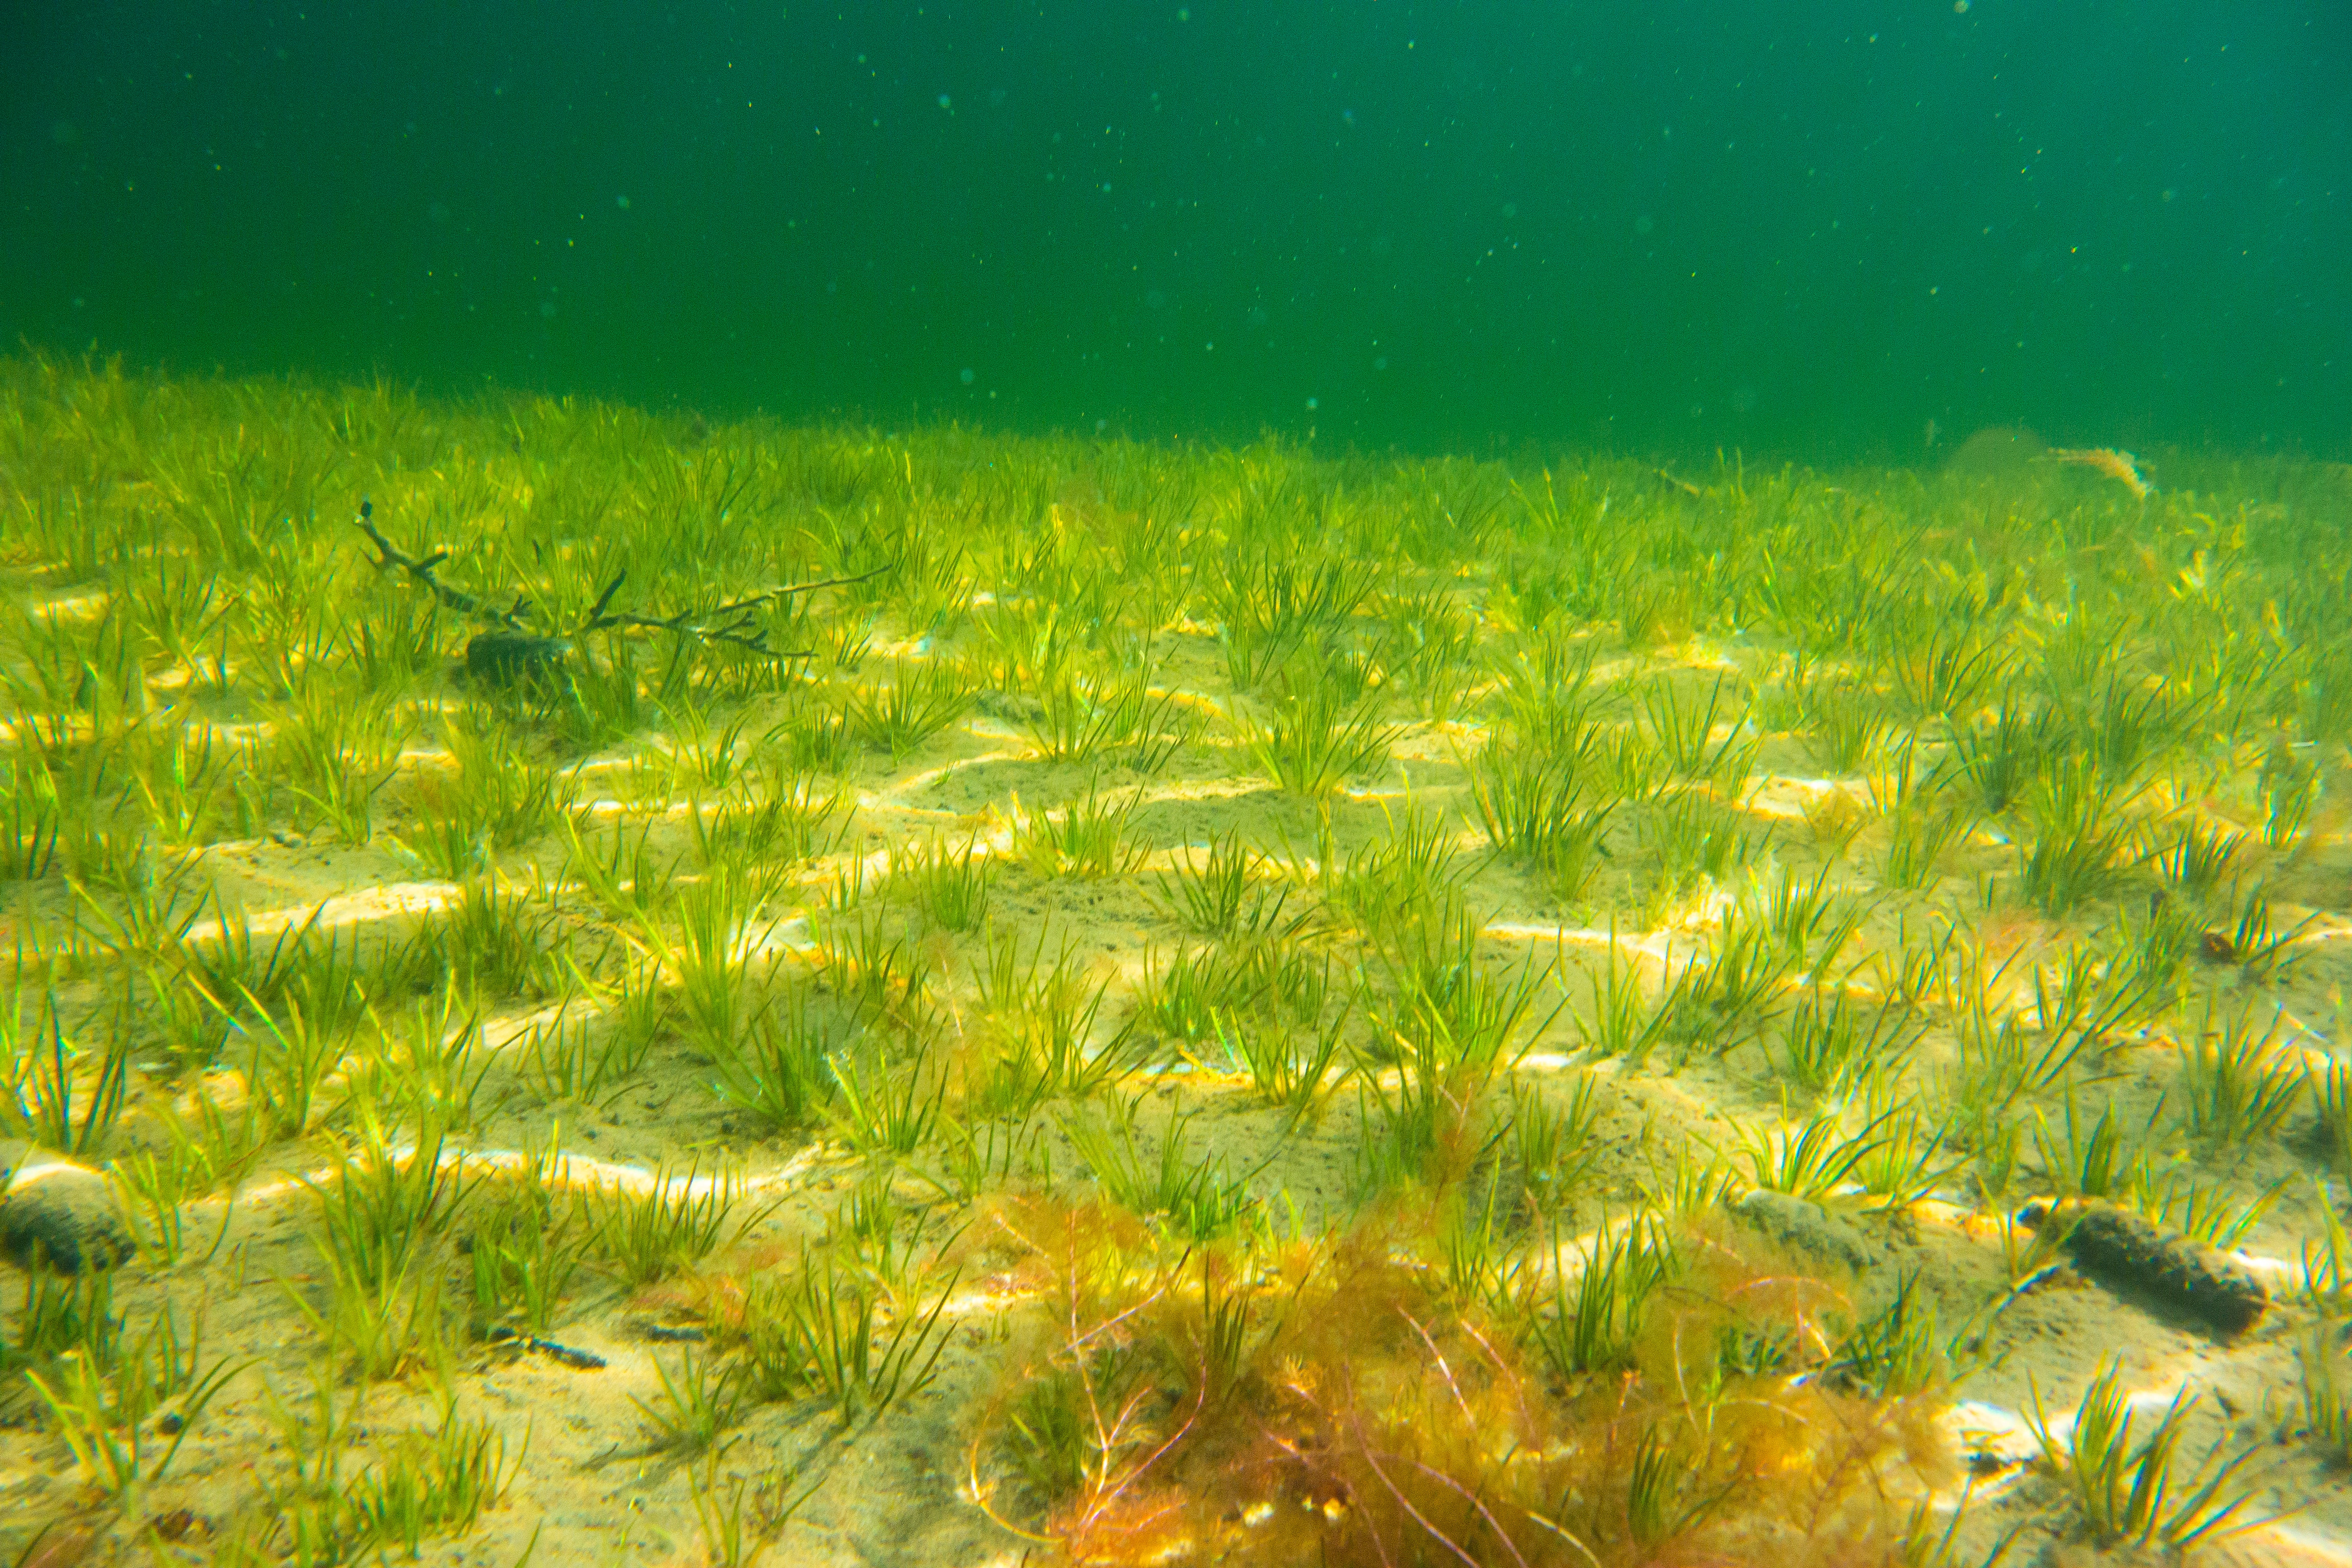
point(1255, 935)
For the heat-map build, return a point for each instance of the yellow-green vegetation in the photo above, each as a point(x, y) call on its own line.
point(678, 992)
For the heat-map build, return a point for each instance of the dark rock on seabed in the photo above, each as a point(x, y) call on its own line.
point(55, 1214)
point(1807, 1226)
point(2121, 1250)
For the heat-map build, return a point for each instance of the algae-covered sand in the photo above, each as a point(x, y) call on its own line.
point(998, 999)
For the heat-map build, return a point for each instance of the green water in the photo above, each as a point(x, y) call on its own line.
point(1807, 231)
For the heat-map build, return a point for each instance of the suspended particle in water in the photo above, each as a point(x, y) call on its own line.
point(966, 376)
point(1313, 404)
point(946, 102)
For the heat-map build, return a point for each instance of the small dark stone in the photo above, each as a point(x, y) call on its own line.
point(2120, 1249)
point(56, 1214)
point(513, 658)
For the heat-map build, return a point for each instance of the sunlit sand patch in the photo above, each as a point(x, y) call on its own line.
point(1376, 796)
point(567, 1169)
point(990, 729)
point(2288, 1543)
point(1998, 1441)
point(603, 809)
point(1789, 797)
point(1656, 946)
point(512, 1031)
point(367, 906)
point(793, 934)
point(990, 1299)
point(87, 606)
point(932, 776)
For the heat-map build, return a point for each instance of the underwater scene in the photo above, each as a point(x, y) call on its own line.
point(982, 785)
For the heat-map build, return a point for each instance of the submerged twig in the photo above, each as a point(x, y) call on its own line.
point(731, 623)
point(465, 604)
point(734, 623)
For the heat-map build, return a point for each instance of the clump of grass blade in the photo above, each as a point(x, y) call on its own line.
point(2238, 1083)
point(2139, 1488)
point(1316, 739)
